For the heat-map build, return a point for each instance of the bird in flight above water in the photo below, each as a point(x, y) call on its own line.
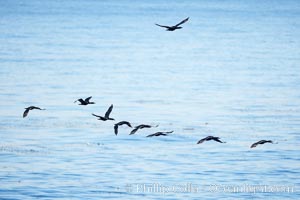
point(140, 127)
point(30, 108)
point(106, 116)
point(173, 28)
point(261, 142)
point(84, 102)
point(208, 138)
point(160, 133)
point(116, 126)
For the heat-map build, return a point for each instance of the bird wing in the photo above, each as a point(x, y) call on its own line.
point(128, 124)
point(116, 129)
point(158, 134)
point(102, 118)
point(134, 130)
point(26, 112)
point(182, 22)
point(163, 26)
point(167, 132)
point(151, 135)
point(81, 101)
point(254, 144)
point(34, 107)
point(96, 115)
point(125, 122)
point(88, 99)
point(108, 111)
point(217, 140)
point(201, 141)
point(144, 126)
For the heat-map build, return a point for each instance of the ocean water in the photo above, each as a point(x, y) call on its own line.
point(233, 71)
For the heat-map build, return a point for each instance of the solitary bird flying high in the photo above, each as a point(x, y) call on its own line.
point(140, 127)
point(30, 108)
point(261, 142)
point(160, 134)
point(208, 138)
point(173, 28)
point(106, 116)
point(84, 102)
point(116, 126)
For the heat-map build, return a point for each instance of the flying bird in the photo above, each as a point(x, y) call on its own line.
point(173, 28)
point(140, 127)
point(30, 108)
point(84, 102)
point(261, 142)
point(208, 138)
point(106, 116)
point(116, 126)
point(160, 133)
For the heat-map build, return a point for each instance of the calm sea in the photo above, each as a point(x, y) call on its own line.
point(233, 71)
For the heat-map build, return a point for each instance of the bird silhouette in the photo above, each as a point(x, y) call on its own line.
point(106, 116)
point(140, 127)
point(30, 108)
point(84, 102)
point(116, 126)
point(173, 28)
point(160, 133)
point(261, 142)
point(208, 138)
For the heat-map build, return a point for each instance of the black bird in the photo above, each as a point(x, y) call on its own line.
point(260, 142)
point(173, 28)
point(116, 126)
point(106, 116)
point(160, 134)
point(140, 127)
point(84, 102)
point(30, 108)
point(208, 138)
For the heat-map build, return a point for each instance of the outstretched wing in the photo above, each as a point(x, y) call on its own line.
point(167, 132)
point(80, 100)
point(96, 115)
point(145, 126)
point(88, 99)
point(254, 145)
point(134, 130)
point(124, 122)
point(217, 140)
point(26, 112)
point(163, 26)
point(116, 129)
point(34, 107)
point(183, 21)
point(108, 111)
point(201, 141)
point(128, 124)
point(151, 135)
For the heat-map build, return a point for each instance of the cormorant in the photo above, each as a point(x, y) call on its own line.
point(106, 116)
point(116, 126)
point(140, 127)
point(173, 28)
point(30, 108)
point(260, 142)
point(208, 138)
point(84, 102)
point(160, 134)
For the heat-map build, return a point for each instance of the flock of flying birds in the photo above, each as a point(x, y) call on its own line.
point(106, 116)
point(136, 128)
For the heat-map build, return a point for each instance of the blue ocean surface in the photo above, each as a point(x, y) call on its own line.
point(232, 71)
